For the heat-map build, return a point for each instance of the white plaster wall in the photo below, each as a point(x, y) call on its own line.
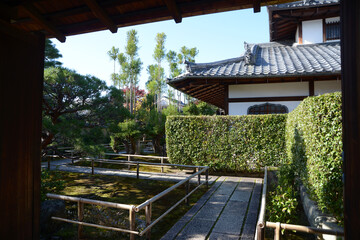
point(241, 108)
point(321, 87)
point(269, 90)
point(312, 31)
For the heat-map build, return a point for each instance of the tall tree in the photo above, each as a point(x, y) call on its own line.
point(51, 55)
point(66, 93)
point(156, 82)
point(130, 66)
point(113, 54)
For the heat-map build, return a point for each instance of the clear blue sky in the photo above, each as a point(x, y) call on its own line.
point(216, 36)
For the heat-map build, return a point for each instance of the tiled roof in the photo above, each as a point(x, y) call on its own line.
point(304, 3)
point(272, 60)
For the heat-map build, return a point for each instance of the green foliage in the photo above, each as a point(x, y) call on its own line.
point(51, 55)
point(127, 132)
point(201, 108)
point(314, 147)
point(77, 110)
point(282, 202)
point(235, 143)
point(51, 182)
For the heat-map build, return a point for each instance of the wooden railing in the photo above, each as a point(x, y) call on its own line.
point(262, 224)
point(147, 205)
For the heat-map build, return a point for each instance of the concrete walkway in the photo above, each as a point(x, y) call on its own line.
point(65, 165)
point(228, 210)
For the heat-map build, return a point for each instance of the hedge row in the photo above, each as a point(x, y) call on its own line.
point(314, 147)
point(227, 143)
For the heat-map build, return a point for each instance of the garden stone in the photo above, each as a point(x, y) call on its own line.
point(50, 208)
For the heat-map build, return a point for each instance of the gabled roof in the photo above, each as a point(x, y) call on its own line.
point(268, 62)
point(285, 18)
point(272, 60)
point(304, 3)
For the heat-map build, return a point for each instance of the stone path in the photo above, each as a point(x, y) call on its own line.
point(228, 210)
point(65, 165)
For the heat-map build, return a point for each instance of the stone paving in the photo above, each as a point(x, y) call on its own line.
point(65, 165)
point(228, 210)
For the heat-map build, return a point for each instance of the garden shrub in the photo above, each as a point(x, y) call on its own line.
point(227, 143)
point(314, 147)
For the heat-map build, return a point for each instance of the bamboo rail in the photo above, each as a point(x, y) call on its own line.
point(262, 224)
point(147, 205)
point(260, 227)
point(278, 226)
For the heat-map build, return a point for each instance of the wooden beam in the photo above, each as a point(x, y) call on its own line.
point(350, 68)
point(37, 17)
point(268, 99)
point(226, 99)
point(311, 88)
point(100, 13)
point(257, 6)
point(174, 10)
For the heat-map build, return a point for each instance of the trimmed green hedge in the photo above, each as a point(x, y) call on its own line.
point(314, 147)
point(227, 143)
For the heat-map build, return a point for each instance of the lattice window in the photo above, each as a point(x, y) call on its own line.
point(267, 108)
point(332, 30)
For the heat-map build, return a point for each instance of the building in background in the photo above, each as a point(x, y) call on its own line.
point(303, 59)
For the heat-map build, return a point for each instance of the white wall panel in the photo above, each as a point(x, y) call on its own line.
point(269, 90)
point(321, 87)
point(241, 108)
point(312, 31)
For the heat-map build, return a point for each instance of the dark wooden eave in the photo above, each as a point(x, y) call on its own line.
point(62, 18)
point(212, 90)
point(284, 21)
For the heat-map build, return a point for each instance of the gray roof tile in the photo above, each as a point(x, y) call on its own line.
point(273, 59)
point(304, 3)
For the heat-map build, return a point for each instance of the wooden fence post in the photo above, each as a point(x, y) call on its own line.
point(80, 218)
point(187, 187)
point(199, 176)
point(92, 167)
point(148, 220)
point(137, 170)
point(162, 162)
point(129, 159)
point(207, 177)
point(132, 223)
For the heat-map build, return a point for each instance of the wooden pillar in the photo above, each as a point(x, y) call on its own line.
point(21, 84)
point(226, 99)
point(350, 70)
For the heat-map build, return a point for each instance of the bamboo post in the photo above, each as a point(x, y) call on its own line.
point(132, 223)
point(207, 177)
point(260, 231)
point(92, 167)
point(148, 220)
point(137, 170)
point(48, 160)
point(277, 231)
point(129, 159)
point(199, 176)
point(80, 218)
point(187, 187)
point(162, 162)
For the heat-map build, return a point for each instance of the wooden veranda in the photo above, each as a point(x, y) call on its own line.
point(24, 25)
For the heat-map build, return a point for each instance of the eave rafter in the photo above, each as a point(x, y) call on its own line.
point(38, 18)
point(174, 10)
point(257, 6)
point(100, 13)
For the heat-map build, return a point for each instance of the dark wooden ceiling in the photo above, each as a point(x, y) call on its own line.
point(60, 18)
point(284, 22)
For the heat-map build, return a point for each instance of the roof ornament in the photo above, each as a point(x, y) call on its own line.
point(250, 53)
point(188, 65)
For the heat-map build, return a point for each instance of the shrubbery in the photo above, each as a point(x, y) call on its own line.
point(227, 143)
point(314, 147)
